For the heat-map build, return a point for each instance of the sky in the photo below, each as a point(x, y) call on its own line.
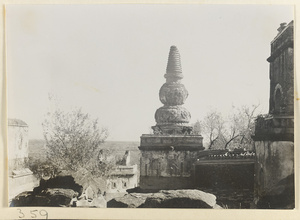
point(110, 60)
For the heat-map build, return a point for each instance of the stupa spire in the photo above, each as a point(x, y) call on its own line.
point(173, 118)
point(174, 70)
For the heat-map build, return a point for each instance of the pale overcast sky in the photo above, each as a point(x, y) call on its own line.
point(110, 59)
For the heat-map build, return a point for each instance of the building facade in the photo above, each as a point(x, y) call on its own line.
point(274, 132)
point(122, 178)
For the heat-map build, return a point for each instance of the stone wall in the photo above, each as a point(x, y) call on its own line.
point(274, 162)
point(225, 174)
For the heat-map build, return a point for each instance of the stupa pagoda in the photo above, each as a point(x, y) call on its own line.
point(173, 118)
point(168, 154)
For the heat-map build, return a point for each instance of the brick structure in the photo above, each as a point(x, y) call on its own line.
point(168, 154)
point(274, 132)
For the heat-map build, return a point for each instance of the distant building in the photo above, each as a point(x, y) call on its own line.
point(20, 176)
point(124, 176)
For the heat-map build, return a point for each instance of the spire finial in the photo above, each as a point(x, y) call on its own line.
point(174, 70)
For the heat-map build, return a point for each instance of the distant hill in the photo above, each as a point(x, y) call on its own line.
point(37, 149)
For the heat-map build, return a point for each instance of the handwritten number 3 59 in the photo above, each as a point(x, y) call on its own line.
point(33, 213)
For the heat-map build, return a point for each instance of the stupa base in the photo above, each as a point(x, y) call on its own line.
point(171, 142)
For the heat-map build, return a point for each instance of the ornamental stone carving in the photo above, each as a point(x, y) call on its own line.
point(172, 118)
point(173, 94)
point(172, 115)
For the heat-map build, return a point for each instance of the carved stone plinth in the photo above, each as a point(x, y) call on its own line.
point(171, 142)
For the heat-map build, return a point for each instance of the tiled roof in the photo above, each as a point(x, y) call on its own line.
point(16, 122)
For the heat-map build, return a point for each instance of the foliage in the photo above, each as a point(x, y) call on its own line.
point(43, 169)
point(73, 142)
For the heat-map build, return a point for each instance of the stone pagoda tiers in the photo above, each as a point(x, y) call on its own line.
point(168, 154)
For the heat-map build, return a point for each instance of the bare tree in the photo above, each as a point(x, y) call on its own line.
point(212, 127)
point(239, 127)
point(232, 129)
point(230, 132)
point(247, 125)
